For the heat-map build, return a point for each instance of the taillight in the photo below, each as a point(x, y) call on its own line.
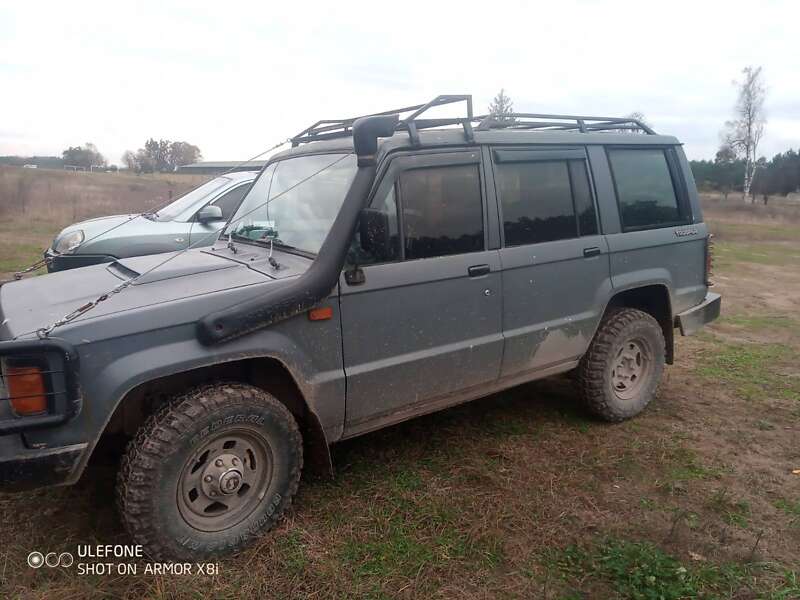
point(709, 259)
point(26, 390)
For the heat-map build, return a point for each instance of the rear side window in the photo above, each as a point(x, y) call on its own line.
point(442, 212)
point(545, 201)
point(645, 190)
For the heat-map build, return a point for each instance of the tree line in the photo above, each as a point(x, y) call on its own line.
point(726, 173)
point(161, 155)
point(156, 156)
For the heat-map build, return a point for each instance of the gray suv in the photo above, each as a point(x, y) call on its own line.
point(191, 220)
point(380, 269)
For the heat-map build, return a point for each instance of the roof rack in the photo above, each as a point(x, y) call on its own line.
point(561, 123)
point(329, 129)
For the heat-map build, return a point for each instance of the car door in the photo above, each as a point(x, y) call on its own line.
point(659, 239)
point(424, 322)
point(203, 234)
point(554, 259)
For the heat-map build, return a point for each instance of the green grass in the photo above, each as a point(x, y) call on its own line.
point(405, 537)
point(733, 511)
point(683, 466)
point(761, 322)
point(728, 254)
point(643, 571)
point(752, 370)
point(726, 231)
point(791, 508)
point(16, 256)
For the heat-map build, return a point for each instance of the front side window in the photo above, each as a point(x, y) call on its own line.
point(295, 201)
point(230, 200)
point(442, 211)
point(645, 191)
point(191, 200)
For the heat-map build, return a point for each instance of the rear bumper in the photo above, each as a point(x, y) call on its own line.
point(30, 469)
point(692, 320)
point(64, 262)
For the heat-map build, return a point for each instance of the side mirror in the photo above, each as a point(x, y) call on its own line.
point(209, 213)
point(374, 231)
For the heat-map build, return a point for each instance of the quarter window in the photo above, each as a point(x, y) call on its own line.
point(544, 201)
point(645, 191)
point(582, 194)
point(442, 213)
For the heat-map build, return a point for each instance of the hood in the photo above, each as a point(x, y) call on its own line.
point(37, 302)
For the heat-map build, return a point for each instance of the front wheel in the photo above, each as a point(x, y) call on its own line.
point(209, 472)
point(620, 372)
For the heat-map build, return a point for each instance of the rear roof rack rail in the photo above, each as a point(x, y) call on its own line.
point(544, 121)
point(328, 129)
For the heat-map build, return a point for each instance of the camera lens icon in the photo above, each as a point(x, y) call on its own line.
point(35, 560)
point(51, 559)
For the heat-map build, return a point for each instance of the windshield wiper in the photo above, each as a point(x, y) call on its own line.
point(272, 241)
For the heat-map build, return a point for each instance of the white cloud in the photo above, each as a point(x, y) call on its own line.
point(234, 78)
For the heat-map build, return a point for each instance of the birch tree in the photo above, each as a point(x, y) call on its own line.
point(744, 132)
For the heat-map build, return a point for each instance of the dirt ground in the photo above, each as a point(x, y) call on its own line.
point(522, 494)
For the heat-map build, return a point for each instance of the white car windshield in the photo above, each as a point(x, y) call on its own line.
point(295, 201)
point(195, 197)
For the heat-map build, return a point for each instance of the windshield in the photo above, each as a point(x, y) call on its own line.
point(295, 201)
point(172, 211)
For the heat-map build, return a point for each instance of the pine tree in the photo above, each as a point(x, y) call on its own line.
point(501, 107)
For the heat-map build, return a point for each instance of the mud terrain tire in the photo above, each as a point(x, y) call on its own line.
point(209, 472)
point(619, 374)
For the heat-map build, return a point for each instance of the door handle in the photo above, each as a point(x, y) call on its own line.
point(593, 251)
point(479, 270)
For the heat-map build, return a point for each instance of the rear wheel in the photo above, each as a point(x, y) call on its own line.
point(620, 372)
point(209, 472)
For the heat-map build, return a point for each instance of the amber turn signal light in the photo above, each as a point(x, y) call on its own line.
point(26, 390)
point(322, 313)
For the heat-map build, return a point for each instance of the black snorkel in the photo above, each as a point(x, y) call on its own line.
point(316, 283)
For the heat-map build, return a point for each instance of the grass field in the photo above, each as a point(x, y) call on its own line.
point(522, 495)
point(35, 204)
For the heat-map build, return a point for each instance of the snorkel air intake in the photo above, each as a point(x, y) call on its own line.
point(317, 282)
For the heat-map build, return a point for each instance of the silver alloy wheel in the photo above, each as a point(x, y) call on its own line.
point(631, 368)
point(225, 480)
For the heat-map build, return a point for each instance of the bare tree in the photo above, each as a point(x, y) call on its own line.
point(129, 160)
point(636, 115)
point(744, 132)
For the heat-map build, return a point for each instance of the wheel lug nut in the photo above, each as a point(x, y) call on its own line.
point(213, 493)
point(207, 478)
point(218, 462)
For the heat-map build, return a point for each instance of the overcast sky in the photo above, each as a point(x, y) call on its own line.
point(235, 77)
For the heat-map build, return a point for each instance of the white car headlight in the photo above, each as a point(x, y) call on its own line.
point(68, 242)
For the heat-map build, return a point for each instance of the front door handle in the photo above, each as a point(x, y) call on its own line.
point(479, 270)
point(593, 251)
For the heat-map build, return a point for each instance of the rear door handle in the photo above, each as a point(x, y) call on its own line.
point(478, 270)
point(593, 251)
